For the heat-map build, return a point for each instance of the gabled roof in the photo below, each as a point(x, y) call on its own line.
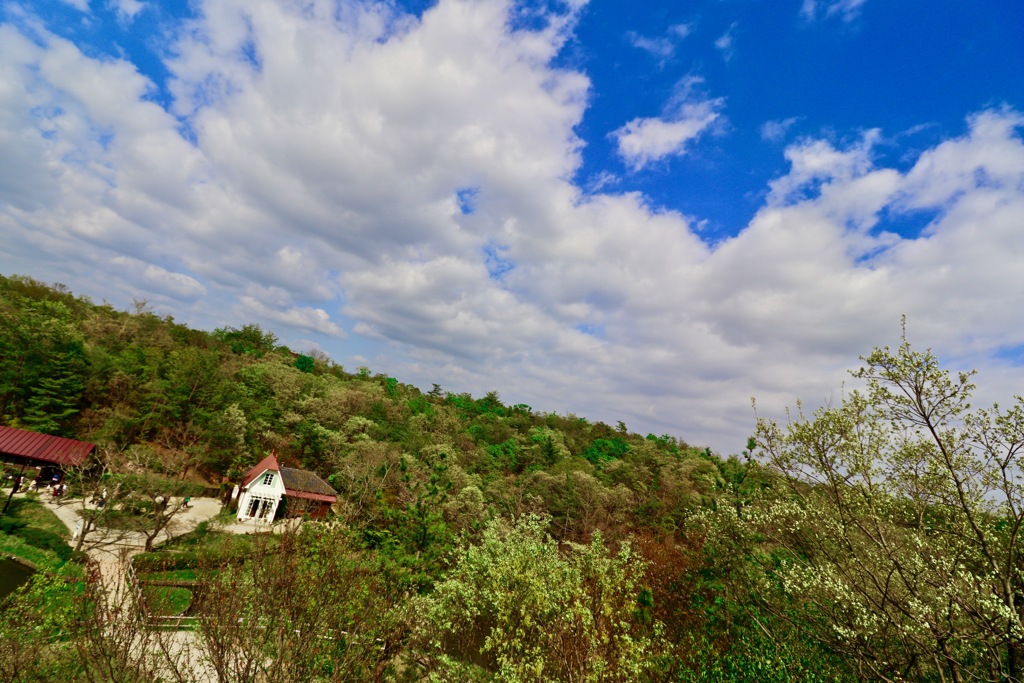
point(268, 463)
point(297, 483)
point(305, 484)
point(43, 447)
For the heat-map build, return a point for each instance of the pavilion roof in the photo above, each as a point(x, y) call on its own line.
point(58, 450)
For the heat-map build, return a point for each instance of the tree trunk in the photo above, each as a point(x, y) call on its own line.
point(86, 528)
point(1014, 658)
point(954, 666)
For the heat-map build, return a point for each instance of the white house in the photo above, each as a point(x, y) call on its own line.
point(269, 491)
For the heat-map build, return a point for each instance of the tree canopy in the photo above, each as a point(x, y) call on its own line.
point(877, 539)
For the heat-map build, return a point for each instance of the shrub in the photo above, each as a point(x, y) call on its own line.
point(45, 540)
point(164, 561)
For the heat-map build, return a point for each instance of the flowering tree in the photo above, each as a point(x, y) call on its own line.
point(901, 539)
point(519, 607)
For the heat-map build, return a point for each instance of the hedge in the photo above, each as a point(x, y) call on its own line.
point(37, 538)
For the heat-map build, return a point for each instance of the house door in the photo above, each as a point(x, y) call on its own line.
point(265, 508)
point(254, 507)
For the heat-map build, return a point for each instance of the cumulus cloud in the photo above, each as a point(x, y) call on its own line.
point(643, 141)
point(158, 281)
point(813, 162)
point(821, 242)
point(307, 176)
point(177, 285)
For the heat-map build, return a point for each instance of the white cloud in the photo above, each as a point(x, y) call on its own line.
point(818, 161)
point(301, 317)
point(848, 10)
point(162, 284)
point(80, 5)
point(319, 194)
point(646, 140)
point(177, 285)
point(681, 30)
point(661, 47)
point(775, 131)
point(642, 141)
point(725, 43)
point(127, 9)
point(958, 166)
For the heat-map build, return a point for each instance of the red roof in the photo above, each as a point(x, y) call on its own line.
point(268, 463)
point(297, 483)
point(311, 496)
point(56, 449)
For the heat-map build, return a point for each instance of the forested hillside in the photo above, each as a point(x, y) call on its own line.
point(876, 540)
point(213, 404)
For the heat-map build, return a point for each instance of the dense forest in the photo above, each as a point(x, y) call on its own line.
point(878, 539)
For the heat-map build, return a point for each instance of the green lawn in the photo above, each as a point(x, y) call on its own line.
point(41, 559)
point(170, 575)
point(167, 601)
point(207, 541)
point(28, 509)
point(36, 535)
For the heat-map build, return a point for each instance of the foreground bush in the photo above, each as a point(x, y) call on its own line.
point(522, 607)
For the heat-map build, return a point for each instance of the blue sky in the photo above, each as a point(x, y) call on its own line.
point(648, 216)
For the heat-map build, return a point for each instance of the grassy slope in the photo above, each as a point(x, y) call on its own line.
point(34, 515)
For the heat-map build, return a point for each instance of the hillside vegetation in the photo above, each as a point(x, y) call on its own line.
point(876, 540)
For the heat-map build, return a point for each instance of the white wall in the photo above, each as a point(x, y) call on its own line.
point(257, 489)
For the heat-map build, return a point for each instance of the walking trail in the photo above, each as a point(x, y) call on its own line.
point(109, 548)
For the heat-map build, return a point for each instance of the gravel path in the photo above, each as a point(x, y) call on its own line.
point(111, 550)
point(199, 510)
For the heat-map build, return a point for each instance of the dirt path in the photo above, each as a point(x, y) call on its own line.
point(110, 548)
point(199, 510)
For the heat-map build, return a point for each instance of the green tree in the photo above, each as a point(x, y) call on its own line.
point(305, 363)
point(250, 340)
point(42, 364)
point(901, 537)
point(519, 607)
point(150, 503)
point(34, 630)
point(605, 450)
point(305, 606)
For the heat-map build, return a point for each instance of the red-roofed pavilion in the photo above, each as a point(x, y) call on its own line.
point(22, 447)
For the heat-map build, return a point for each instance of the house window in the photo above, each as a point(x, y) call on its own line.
point(259, 507)
point(268, 479)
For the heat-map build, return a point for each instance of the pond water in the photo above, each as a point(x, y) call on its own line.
point(12, 575)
